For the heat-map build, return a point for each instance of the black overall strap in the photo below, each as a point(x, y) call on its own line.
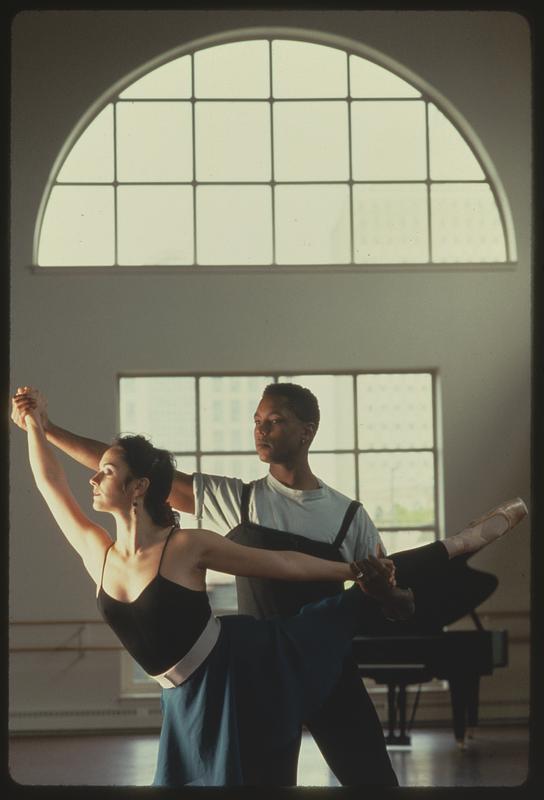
point(346, 522)
point(244, 502)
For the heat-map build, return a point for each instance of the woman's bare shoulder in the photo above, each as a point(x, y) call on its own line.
point(181, 563)
point(186, 540)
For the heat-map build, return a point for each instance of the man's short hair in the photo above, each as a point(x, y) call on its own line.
point(300, 400)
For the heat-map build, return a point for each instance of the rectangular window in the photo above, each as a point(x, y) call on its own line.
point(377, 443)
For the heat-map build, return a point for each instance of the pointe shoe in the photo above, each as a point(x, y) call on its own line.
point(513, 511)
point(486, 529)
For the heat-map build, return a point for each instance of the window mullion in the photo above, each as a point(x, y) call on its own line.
point(272, 166)
point(193, 133)
point(356, 436)
point(115, 191)
point(350, 162)
point(428, 182)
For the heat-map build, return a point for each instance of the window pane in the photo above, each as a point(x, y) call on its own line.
point(336, 470)
point(312, 224)
point(450, 155)
point(155, 224)
point(370, 80)
point(394, 411)
point(238, 69)
point(221, 591)
point(91, 157)
point(154, 141)
point(78, 227)
point(388, 140)
point(138, 674)
point(227, 406)
point(161, 408)
point(396, 541)
point(311, 141)
point(186, 463)
point(169, 80)
point(397, 488)
point(390, 223)
point(335, 398)
point(232, 141)
point(465, 223)
point(234, 224)
point(302, 69)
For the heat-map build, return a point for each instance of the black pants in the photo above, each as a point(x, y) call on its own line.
point(349, 734)
point(347, 730)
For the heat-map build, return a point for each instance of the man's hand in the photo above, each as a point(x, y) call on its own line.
point(28, 398)
point(378, 581)
point(377, 576)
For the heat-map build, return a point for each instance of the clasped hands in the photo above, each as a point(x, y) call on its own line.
point(377, 575)
point(26, 400)
point(379, 582)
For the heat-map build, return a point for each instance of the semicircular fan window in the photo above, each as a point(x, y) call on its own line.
point(270, 152)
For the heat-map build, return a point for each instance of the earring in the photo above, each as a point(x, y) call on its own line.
point(135, 506)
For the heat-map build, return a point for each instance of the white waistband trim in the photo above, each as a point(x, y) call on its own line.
point(193, 659)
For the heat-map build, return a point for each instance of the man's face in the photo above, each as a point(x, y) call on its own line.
point(278, 431)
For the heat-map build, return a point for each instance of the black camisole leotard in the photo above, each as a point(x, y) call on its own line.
point(161, 625)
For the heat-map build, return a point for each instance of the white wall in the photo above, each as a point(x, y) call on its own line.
point(72, 333)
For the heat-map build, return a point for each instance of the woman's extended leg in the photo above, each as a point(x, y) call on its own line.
point(444, 588)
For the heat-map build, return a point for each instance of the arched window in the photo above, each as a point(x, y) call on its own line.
point(272, 151)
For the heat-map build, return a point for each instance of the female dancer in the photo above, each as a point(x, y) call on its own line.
point(235, 689)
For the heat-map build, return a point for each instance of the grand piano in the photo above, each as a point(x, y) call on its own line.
point(400, 654)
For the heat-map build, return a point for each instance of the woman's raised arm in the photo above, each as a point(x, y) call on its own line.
point(89, 451)
point(88, 539)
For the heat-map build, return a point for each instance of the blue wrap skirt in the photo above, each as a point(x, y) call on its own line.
point(232, 718)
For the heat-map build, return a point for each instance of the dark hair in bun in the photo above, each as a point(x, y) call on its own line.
point(146, 461)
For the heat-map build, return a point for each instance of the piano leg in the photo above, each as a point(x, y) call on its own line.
point(464, 690)
point(403, 737)
point(472, 707)
point(392, 700)
point(392, 712)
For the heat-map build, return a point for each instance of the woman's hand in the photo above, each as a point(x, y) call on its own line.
point(23, 405)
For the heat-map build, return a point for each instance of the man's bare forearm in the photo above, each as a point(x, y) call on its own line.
point(86, 451)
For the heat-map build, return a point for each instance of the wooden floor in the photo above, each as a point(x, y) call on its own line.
point(496, 757)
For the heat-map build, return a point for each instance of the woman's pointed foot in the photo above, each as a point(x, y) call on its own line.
point(487, 528)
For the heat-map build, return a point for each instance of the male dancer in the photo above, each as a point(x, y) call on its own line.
point(292, 509)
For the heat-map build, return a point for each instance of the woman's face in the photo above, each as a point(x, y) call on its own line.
point(111, 484)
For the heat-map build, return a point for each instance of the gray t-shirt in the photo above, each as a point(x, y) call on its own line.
point(314, 513)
